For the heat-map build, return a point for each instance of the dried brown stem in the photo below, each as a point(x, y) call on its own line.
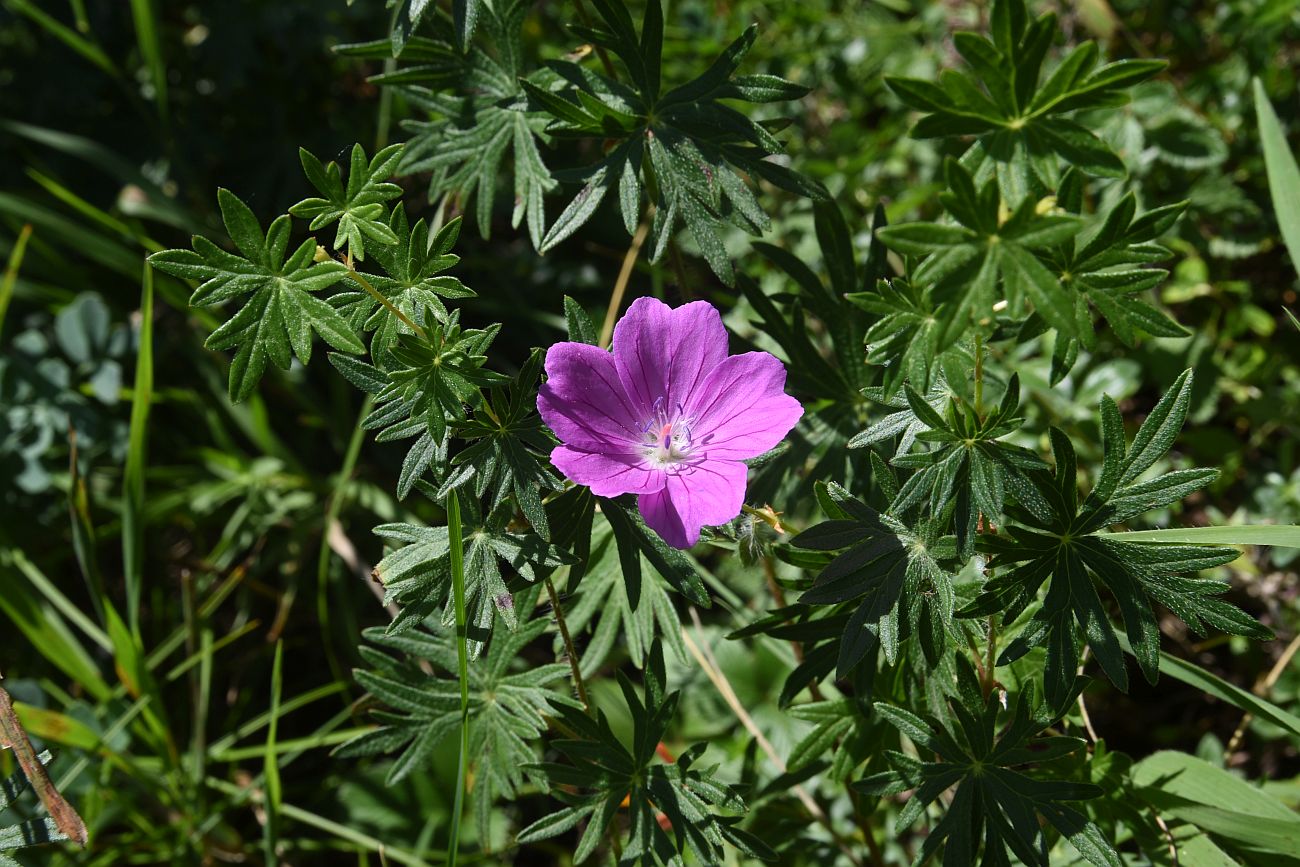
point(13, 736)
point(620, 285)
point(1262, 690)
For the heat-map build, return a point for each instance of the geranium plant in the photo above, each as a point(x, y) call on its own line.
point(942, 579)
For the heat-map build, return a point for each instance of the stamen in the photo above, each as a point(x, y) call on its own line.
point(667, 435)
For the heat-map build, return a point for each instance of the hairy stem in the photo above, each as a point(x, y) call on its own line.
point(569, 650)
point(380, 297)
point(992, 653)
point(456, 541)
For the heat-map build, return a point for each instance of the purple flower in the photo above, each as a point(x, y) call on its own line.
point(668, 415)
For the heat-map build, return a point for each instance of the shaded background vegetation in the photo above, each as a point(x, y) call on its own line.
point(118, 123)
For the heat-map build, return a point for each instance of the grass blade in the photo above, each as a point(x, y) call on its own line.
point(146, 34)
point(1211, 684)
point(271, 767)
point(66, 35)
point(1283, 173)
point(1277, 535)
point(342, 832)
point(11, 271)
point(133, 478)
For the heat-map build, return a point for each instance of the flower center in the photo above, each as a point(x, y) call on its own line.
point(666, 436)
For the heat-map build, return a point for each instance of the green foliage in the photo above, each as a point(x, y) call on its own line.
point(278, 321)
point(947, 306)
point(359, 208)
point(895, 570)
point(1020, 117)
point(994, 805)
point(508, 706)
point(603, 774)
point(1107, 272)
point(1283, 173)
point(412, 284)
point(418, 573)
point(1065, 547)
point(620, 603)
point(971, 466)
point(994, 250)
point(684, 144)
point(506, 437)
point(466, 138)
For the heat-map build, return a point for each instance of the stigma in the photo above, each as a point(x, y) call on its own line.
point(666, 436)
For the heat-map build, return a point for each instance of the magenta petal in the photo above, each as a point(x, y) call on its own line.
point(584, 402)
point(665, 352)
point(741, 409)
point(701, 495)
point(608, 475)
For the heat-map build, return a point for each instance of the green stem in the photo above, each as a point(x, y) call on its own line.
point(323, 554)
point(454, 533)
point(380, 297)
point(979, 374)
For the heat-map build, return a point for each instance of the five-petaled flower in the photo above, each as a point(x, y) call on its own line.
point(668, 415)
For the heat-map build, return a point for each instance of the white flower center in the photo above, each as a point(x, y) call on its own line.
point(666, 438)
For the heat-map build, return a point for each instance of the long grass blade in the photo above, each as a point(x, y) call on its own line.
point(1277, 535)
point(342, 832)
point(146, 34)
point(1283, 173)
point(133, 478)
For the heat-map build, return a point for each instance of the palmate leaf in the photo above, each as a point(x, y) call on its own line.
point(506, 443)
point(465, 15)
point(1107, 269)
point(466, 138)
point(996, 805)
point(412, 282)
point(417, 574)
point(359, 208)
point(430, 381)
point(507, 711)
point(971, 467)
point(686, 145)
point(845, 730)
point(278, 321)
point(1064, 547)
point(1021, 119)
point(903, 340)
point(965, 264)
point(603, 776)
point(894, 577)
